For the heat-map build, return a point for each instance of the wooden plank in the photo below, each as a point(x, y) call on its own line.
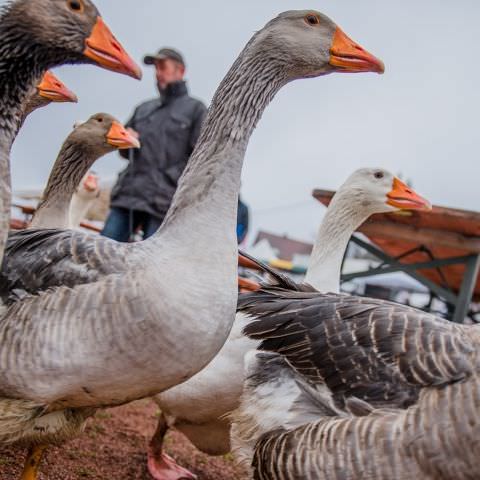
point(424, 236)
point(453, 274)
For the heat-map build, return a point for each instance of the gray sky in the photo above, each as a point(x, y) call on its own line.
point(420, 118)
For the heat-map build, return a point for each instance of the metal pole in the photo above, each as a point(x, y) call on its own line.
point(409, 269)
point(466, 290)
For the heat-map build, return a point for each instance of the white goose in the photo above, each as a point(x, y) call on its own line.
point(155, 323)
point(83, 198)
point(198, 408)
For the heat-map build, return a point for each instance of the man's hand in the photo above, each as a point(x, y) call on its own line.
point(133, 132)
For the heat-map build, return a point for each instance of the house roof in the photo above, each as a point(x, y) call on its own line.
point(285, 247)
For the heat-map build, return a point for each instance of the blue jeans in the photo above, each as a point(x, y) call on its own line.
point(117, 226)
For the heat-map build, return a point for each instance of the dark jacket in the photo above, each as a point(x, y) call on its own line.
point(169, 128)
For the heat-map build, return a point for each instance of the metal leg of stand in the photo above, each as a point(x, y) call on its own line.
point(466, 291)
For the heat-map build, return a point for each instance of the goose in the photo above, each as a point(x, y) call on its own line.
point(198, 407)
point(83, 198)
point(99, 135)
point(146, 320)
point(66, 31)
point(50, 89)
point(332, 360)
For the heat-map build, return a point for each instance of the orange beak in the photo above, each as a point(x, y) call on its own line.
point(52, 88)
point(403, 197)
point(91, 183)
point(119, 137)
point(105, 50)
point(348, 56)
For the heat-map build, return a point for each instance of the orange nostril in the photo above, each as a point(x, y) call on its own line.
point(116, 46)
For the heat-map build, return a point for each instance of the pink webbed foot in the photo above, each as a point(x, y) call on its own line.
point(166, 468)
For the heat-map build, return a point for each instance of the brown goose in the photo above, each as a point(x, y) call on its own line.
point(153, 322)
point(437, 438)
point(99, 135)
point(333, 352)
point(50, 89)
point(66, 31)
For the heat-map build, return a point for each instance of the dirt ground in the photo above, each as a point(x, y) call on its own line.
point(113, 447)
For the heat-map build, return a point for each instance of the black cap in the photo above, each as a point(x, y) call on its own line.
point(163, 54)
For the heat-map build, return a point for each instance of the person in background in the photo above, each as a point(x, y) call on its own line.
point(168, 128)
point(242, 221)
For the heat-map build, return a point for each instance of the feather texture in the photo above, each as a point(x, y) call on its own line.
point(430, 440)
point(378, 351)
point(392, 381)
point(37, 260)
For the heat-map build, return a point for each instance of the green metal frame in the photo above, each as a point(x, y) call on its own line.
point(460, 302)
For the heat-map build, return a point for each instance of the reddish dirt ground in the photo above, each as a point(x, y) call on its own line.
point(113, 447)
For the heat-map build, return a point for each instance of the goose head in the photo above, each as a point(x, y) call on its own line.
point(53, 90)
point(102, 134)
point(375, 190)
point(310, 44)
point(65, 31)
point(50, 89)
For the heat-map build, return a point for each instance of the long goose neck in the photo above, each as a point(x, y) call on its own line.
point(207, 194)
point(72, 163)
point(22, 64)
point(18, 73)
point(343, 217)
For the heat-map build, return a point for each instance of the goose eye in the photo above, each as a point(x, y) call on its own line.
point(378, 175)
point(312, 19)
point(75, 5)
point(100, 120)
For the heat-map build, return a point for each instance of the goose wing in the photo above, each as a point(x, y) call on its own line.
point(38, 259)
point(375, 350)
point(67, 342)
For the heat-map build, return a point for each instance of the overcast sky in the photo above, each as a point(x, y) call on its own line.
point(420, 118)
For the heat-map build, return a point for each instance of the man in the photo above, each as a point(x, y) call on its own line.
point(168, 128)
